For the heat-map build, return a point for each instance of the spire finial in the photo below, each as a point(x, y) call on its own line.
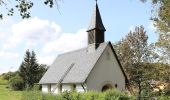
point(96, 1)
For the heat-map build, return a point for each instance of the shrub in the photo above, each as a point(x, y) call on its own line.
point(92, 95)
point(16, 83)
point(108, 95)
point(167, 91)
point(7, 76)
point(116, 95)
point(163, 98)
point(38, 95)
point(32, 95)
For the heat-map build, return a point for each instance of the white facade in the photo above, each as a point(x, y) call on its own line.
point(53, 88)
point(106, 72)
point(44, 88)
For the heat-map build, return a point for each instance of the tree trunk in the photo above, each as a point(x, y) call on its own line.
point(139, 91)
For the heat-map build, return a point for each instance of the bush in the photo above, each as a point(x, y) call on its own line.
point(167, 91)
point(116, 95)
point(7, 76)
point(31, 95)
point(38, 95)
point(16, 83)
point(163, 98)
point(108, 95)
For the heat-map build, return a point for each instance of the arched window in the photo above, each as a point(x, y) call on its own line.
point(106, 87)
point(116, 85)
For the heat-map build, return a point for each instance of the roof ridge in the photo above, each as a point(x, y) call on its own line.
point(71, 51)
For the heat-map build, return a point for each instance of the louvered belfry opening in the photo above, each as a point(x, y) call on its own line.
point(96, 29)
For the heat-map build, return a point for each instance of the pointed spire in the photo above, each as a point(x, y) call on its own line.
point(96, 21)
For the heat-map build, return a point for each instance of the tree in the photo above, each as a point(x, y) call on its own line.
point(16, 82)
point(132, 52)
point(30, 71)
point(8, 75)
point(23, 6)
point(161, 13)
point(163, 47)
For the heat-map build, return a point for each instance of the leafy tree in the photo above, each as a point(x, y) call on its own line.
point(23, 6)
point(141, 61)
point(7, 76)
point(30, 71)
point(163, 47)
point(161, 13)
point(16, 82)
point(132, 51)
point(162, 72)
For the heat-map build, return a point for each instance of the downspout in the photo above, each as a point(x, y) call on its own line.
point(83, 87)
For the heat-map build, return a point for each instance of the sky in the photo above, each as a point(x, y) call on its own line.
point(53, 31)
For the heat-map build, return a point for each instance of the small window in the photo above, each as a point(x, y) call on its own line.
point(91, 38)
point(60, 87)
point(74, 87)
point(49, 88)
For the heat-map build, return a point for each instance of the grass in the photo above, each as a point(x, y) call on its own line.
point(8, 94)
point(3, 82)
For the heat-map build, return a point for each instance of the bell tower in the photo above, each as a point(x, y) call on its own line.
point(96, 28)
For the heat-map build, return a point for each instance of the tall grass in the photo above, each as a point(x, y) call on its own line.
point(108, 95)
point(3, 82)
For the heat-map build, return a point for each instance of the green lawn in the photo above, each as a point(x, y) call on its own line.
point(8, 94)
point(3, 82)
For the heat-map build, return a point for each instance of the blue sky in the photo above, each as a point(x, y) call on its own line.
point(50, 32)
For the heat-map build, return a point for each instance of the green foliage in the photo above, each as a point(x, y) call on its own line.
point(7, 76)
point(22, 6)
point(161, 13)
point(163, 47)
point(167, 91)
point(108, 95)
point(115, 95)
point(132, 52)
point(16, 83)
point(8, 94)
point(30, 71)
point(162, 71)
point(31, 95)
point(2, 81)
point(163, 98)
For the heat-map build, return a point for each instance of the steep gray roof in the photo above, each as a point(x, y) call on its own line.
point(73, 67)
point(96, 21)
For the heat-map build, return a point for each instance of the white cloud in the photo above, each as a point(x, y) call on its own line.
point(37, 34)
point(8, 55)
point(2, 34)
point(67, 42)
point(33, 30)
point(46, 60)
point(7, 69)
point(5, 25)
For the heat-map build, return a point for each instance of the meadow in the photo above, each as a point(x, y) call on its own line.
point(8, 94)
